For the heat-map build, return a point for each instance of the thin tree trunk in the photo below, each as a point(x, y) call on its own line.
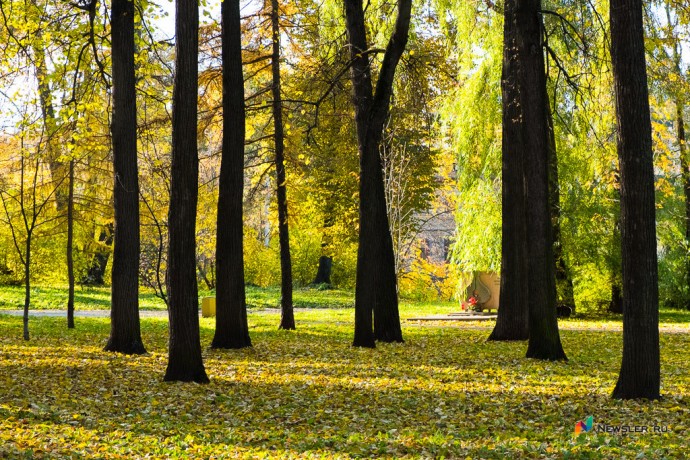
point(640, 368)
point(27, 284)
point(565, 295)
point(232, 330)
point(287, 316)
point(680, 126)
point(125, 333)
point(185, 362)
point(55, 165)
point(512, 319)
point(685, 171)
point(70, 248)
point(544, 338)
point(376, 289)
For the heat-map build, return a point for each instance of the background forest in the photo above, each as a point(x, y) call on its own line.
point(441, 149)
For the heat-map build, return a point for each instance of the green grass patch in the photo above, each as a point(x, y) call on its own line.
point(302, 298)
point(85, 298)
point(98, 298)
point(446, 392)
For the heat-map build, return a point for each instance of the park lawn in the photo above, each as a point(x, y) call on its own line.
point(98, 298)
point(446, 392)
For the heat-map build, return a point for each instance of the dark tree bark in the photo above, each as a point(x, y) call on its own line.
point(544, 338)
point(565, 295)
point(287, 316)
point(185, 362)
point(27, 282)
point(640, 368)
point(512, 319)
point(125, 333)
point(70, 247)
point(376, 290)
point(232, 330)
point(616, 304)
point(685, 171)
point(323, 274)
point(96, 271)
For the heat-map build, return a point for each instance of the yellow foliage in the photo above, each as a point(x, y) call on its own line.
point(426, 280)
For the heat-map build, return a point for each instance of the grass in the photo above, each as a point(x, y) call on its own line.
point(446, 392)
point(98, 298)
point(55, 298)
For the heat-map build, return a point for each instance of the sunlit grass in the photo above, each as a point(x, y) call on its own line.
point(98, 298)
point(445, 392)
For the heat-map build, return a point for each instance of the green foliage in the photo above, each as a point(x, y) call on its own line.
point(446, 392)
point(473, 116)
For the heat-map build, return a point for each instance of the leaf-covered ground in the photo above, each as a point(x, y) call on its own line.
point(446, 392)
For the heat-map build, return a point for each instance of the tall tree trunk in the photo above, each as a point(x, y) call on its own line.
point(512, 319)
point(125, 334)
point(640, 368)
point(544, 338)
point(70, 247)
point(565, 295)
point(376, 289)
point(232, 330)
point(185, 362)
point(685, 171)
point(287, 316)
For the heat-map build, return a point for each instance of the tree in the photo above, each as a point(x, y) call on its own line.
point(512, 319)
point(375, 290)
point(678, 89)
point(640, 368)
point(564, 281)
point(287, 316)
point(25, 208)
point(70, 248)
point(528, 266)
point(185, 362)
point(544, 339)
point(125, 334)
point(232, 330)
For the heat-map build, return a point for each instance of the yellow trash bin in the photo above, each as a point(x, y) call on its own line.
point(208, 307)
